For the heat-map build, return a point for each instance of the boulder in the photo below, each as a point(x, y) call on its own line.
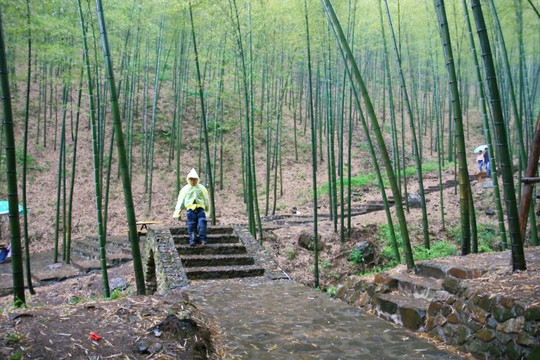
point(414, 200)
point(366, 249)
point(118, 283)
point(490, 212)
point(307, 241)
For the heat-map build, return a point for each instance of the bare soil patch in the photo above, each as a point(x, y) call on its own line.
point(72, 320)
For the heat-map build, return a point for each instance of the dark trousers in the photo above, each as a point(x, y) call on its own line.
point(196, 219)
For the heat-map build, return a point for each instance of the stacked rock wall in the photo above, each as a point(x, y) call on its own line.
point(161, 263)
point(490, 327)
point(483, 325)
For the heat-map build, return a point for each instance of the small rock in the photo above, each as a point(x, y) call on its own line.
point(414, 200)
point(156, 332)
point(486, 335)
point(53, 266)
point(490, 212)
point(118, 283)
point(533, 313)
point(526, 340)
point(142, 348)
point(306, 241)
point(155, 348)
point(512, 326)
point(366, 249)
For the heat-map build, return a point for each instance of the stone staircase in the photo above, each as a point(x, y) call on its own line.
point(85, 252)
point(83, 260)
point(224, 256)
point(406, 298)
point(458, 301)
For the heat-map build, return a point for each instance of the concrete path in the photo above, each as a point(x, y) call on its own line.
point(264, 319)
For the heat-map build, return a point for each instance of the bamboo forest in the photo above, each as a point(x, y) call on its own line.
point(269, 179)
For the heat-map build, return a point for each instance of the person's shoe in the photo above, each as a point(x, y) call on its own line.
point(192, 244)
point(203, 243)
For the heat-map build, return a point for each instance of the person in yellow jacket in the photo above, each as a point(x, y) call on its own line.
point(194, 198)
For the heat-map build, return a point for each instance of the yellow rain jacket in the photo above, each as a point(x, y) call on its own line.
point(192, 197)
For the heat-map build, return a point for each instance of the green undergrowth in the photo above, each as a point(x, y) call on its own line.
point(488, 236)
point(487, 241)
point(370, 179)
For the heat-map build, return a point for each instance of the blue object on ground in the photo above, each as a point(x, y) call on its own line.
point(3, 254)
point(4, 208)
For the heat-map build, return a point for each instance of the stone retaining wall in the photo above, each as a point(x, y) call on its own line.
point(484, 325)
point(161, 264)
point(259, 254)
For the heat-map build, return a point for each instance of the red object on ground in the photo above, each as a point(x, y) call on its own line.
point(94, 336)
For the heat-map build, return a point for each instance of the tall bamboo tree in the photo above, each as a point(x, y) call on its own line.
point(518, 117)
point(25, 152)
point(203, 119)
point(518, 256)
point(11, 177)
point(122, 159)
point(487, 131)
point(73, 169)
point(61, 171)
point(416, 150)
point(313, 150)
point(251, 196)
point(96, 157)
point(528, 186)
point(150, 150)
point(357, 79)
point(464, 186)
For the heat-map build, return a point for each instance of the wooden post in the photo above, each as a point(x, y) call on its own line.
point(528, 180)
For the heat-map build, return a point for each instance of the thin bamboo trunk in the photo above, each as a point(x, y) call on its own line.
point(416, 149)
point(11, 177)
point(203, 115)
point(357, 78)
point(518, 256)
point(25, 153)
point(464, 185)
point(96, 158)
point(126, 181)
point(487, 132)
point(313, 151)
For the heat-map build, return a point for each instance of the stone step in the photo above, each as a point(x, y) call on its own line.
point(87, 265)
point(223, 272)
point(297, 220)
point(87, 248)
point(216, 260)
point(375, 206)
point(416, 286)
point(214, 229)
point(211, 249)
point(54, 273)
point(438, 270)
point(212, 238)
point(402, 309)
point(112, 241)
